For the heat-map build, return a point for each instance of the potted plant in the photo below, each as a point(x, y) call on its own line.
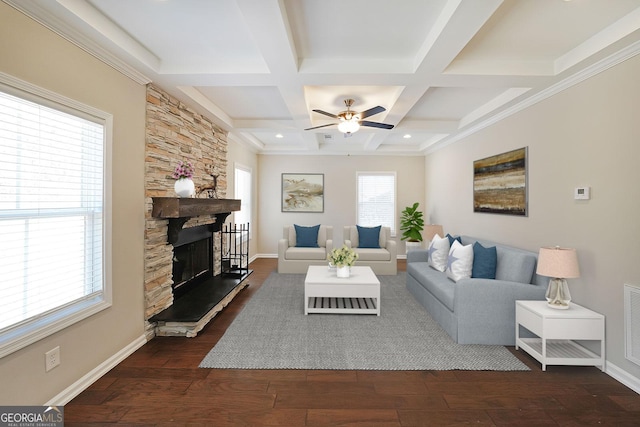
point(411, 225)
point(343, 259)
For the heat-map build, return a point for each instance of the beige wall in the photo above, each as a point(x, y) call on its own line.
point(339, 189)
point(588, 135)
point(34, 54)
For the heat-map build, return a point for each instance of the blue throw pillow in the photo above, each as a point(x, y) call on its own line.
point(307, 237)
point(369, 237)
point(484, 262)
point(453, 239)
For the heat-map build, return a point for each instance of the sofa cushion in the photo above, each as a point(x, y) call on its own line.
point(460, 261)
point(353, 236)
point(305, 253)
point(368, 254)
point(306, 237)
point(484, 262)
point(514, 266)
point(439, 252)
point(369, 237)
point(433, 281)
point(453, 239)
point(323, 236)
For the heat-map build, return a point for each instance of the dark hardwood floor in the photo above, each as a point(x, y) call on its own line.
point(161, 385)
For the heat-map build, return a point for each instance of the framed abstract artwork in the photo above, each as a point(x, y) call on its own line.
point(500, 183)
point(302, 192)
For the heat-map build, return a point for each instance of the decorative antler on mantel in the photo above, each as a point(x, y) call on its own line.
point(212, 190)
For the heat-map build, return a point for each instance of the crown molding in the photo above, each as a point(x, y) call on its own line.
point(38, 14)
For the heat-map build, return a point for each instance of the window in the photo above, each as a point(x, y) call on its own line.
point(52, 214)
point(377, 199)
point(242, 177)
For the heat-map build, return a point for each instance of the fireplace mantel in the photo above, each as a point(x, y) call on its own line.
point(179, 210)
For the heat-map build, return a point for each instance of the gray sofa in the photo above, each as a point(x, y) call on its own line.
point(474, 310)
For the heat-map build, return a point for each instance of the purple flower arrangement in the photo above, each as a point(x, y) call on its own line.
point(183, 170)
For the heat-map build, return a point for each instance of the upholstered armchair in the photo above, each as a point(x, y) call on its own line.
point(303, 246)
point(380, 254)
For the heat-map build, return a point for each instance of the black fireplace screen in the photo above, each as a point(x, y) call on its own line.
point(191, 262)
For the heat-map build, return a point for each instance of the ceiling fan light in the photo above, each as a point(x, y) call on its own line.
point(348, 126)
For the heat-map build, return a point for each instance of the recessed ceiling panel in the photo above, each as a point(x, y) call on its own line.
point(361, 29)
point(248, 102)
point(451, 103)
point(331, 98)
point(542, 29)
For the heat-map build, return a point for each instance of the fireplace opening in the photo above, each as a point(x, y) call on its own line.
point(192, 259)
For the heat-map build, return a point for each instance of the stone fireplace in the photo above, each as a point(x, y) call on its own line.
point(199, 290)
point(175, 132)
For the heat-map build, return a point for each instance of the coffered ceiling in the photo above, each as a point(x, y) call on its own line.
point(442, 69)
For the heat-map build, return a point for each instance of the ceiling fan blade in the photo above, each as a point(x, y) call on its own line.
point(375, 125)
point(321, 126)
point(371, 112)
point(325, 113)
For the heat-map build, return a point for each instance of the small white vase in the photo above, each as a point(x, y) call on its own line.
point(343, 272)
point(184, 187)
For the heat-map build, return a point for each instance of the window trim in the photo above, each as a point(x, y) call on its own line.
point(30, 331)
point(394, 228)
point(248, 169)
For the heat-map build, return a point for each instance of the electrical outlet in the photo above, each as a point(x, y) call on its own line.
point(51, 359)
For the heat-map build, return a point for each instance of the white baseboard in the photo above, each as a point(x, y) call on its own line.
point(266, 256)
point(623, 377)
point(95, 374)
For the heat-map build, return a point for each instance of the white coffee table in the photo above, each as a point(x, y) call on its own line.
point(324, 292)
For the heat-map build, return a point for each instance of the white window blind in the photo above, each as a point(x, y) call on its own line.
point(51, 217)
point(377, 199)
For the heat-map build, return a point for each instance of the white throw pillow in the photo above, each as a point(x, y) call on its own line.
point(438, 252)
point(460, 261)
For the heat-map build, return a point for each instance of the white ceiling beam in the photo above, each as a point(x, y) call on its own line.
point(611, 34)
point(447, 126)
point(221, 118)
point(435, 32)
point(463, 20)
point(497, 102)
point(269, 23)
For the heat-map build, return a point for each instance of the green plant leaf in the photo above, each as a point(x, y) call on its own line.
point(411, 223)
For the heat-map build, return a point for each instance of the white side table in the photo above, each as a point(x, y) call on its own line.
point(557, 330)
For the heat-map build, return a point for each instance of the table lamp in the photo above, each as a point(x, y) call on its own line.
point(431, 230)
point(558, 264)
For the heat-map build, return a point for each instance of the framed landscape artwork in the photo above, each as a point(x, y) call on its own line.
point(500, 183)
point(302, 192)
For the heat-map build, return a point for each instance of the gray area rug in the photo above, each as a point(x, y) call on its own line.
point(272, 332)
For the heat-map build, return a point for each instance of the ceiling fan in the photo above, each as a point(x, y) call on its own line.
point(350, 121)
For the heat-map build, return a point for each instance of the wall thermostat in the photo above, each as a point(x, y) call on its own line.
point(582, 193)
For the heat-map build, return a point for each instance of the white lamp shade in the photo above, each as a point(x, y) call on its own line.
point(431, 230)
point(348, 126)
point(558, 262)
